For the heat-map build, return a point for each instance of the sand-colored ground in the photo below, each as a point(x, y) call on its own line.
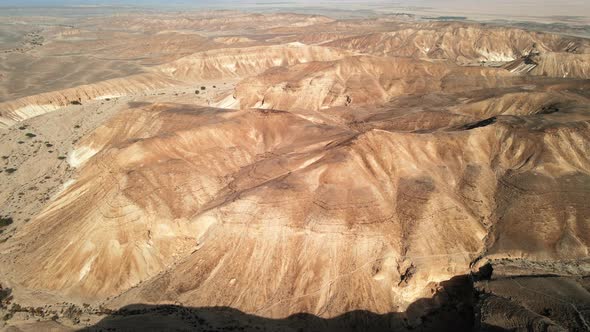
point(252, 169)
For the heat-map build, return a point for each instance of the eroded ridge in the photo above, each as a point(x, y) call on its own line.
point(311, 172)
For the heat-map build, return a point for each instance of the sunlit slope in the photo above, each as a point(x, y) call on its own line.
point(218, 65)
point(195, 203)
point(358, 80)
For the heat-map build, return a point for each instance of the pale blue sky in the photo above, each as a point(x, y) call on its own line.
point(496, 7)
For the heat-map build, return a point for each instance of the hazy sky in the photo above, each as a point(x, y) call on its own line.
point(495, 7)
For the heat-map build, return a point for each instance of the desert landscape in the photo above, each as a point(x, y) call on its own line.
point(292, 170)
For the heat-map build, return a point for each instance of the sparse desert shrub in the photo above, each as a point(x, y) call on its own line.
point(61, 157)
point(16, 307)
point(5, 294)
point(10, 170)
point(197, 92)
point(21, 142)
point(76, 102)
point(77, 126)
point(73, 313)
point(48, 145)
point(5, 221)
point(203, 88)
point(30, 135)
point(22, 127)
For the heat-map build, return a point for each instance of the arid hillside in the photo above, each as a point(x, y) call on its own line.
point(239, 171)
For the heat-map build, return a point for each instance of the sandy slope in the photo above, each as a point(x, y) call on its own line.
point(367, 172)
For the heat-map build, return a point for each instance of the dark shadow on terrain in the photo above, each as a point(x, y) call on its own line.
point(138, 104)
point(484, 273)
point(480, 124)
point(450, 309)
point(550, 109)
